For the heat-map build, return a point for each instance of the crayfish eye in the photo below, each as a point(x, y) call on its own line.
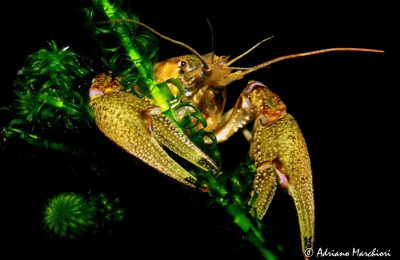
point(182, 64)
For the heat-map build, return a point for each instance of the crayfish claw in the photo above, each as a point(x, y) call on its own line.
point(265, 185)
point(281, 157)
point(282, 145)
point(166, 133)
point(121, 118)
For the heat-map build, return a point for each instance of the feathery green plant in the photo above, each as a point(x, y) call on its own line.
point(49, 97)
point(69, 215)
point(47, 90)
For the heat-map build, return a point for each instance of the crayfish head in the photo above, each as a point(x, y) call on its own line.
point(187, 68)
point(220, 75)
point(190, 70)
point(267, 105)
point(104, 84)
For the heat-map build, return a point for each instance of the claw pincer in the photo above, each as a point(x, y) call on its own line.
point(281, 157)
point(137, 125)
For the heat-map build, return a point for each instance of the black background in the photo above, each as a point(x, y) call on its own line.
point(345, 104)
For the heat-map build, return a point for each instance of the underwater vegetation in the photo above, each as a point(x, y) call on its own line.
point(69, 215)
point(52, 99)
point(53, 104)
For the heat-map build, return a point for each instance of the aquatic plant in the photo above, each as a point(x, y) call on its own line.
point(69, 215)
point(48, 89)
point(49, 96)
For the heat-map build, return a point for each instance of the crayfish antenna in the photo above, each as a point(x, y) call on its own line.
point(212, 40)
point(206, 67)
point(309, 53)
point(248, 51)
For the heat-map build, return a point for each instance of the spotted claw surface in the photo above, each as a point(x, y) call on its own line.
point(281, 158)
point(137, 125)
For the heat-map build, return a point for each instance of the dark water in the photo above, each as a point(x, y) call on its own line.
point(344, 103)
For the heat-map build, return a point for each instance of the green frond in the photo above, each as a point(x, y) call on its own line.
point(60, 65)
point(69, 215)
point(46, 90)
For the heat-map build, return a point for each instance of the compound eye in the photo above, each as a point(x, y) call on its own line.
point(182, 64)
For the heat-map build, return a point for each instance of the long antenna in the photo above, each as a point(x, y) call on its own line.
point(212, 40)
point(297, 55)
point(206, 68)
point(248, 51)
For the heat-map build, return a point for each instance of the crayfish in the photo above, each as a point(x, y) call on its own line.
point(277, 145)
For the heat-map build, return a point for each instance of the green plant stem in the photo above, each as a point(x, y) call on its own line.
point(145, 76)
point(57, 103)
point(35, 140)
point(238, 211)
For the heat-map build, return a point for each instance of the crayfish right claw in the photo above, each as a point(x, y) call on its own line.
point(281, 157)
